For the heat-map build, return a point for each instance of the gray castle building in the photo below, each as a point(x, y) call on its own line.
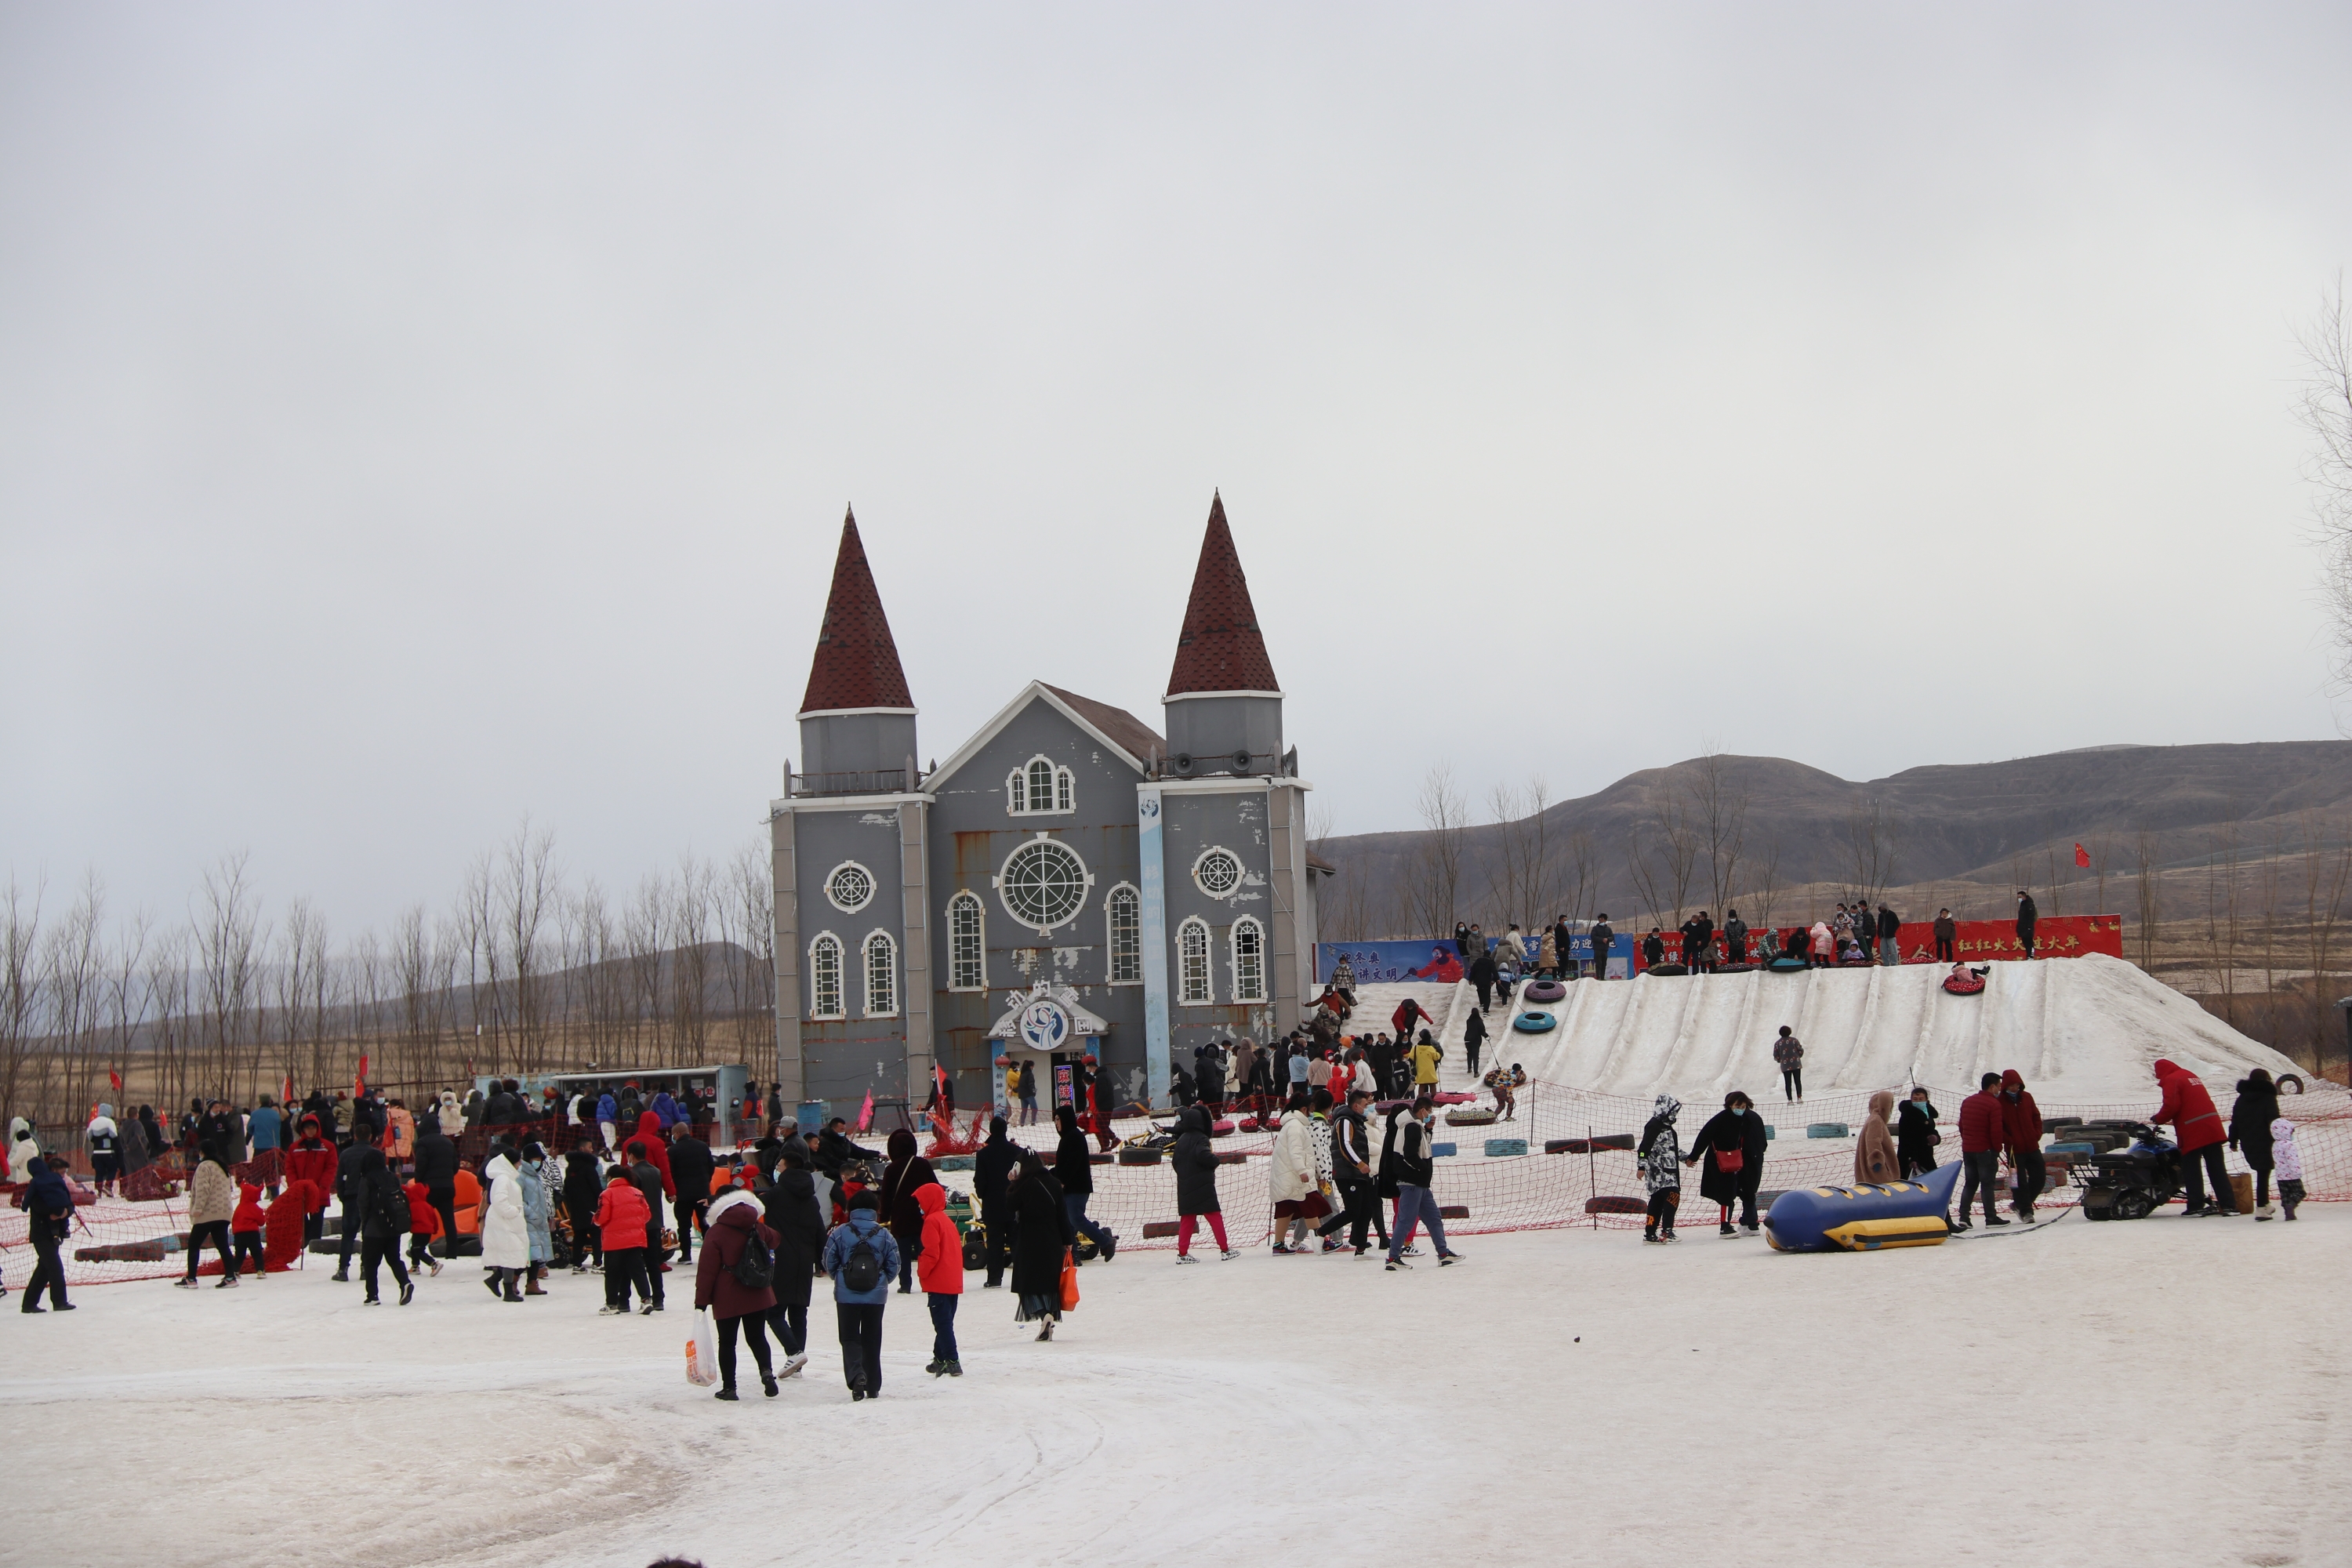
point(1067, 879)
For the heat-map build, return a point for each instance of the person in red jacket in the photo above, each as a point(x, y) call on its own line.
point(2021, 1139)
point(941, 1269)
point(1983, 1129)
point(313, 1160)
point(424, 1225)
point(245, 1228)
point(622, 1216)
point(2197, 1127)
point(649, 1131)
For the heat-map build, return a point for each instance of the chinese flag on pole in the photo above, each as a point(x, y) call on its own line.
point(115, 1078)
point(2082, 856)
point(286, 1090)
point(358, 1086)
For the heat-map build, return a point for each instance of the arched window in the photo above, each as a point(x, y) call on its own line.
point(824, 977)
point(1123, 909)
point(881, 976)
point(967, 946)
point(1249, 960)
point(1039, 788)
point(1193, 964)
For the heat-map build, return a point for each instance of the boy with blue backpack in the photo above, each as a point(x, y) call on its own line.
point(862, 1257)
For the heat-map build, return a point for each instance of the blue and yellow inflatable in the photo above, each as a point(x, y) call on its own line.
point(1863, 1219)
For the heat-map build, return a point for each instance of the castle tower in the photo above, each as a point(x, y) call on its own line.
point(1223, 706)
point(857, 717)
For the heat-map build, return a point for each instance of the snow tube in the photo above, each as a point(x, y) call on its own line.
point(1506, 1148)
point(1828, 1130)
point(1544, 991)
point(1668, 969)
point(1453, 1097)
point(1784, 964)
point(1469, 1118)
point(2285, 1079)
point(1221, 1130)
point(1616, 1205)
point(1959, 987)
point(952, 1162)
point(1863, 1219)
point(1585, 1145)
point(1533, 1023)
point(1139, 1157)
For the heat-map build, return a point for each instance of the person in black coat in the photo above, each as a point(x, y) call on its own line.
point(836, 1149)
point(436, 1166)
point(790, 1203)
point(1604, 937)
point(1473, 1035)
point(381, 1221)
point(1890, 929)
point(48, 1205)
point(690, 1168)
point(1482, 976)
point(991, 1169)
point(2250, 1133)
point(1732, 1144)
point(1735, 938)
point(1915, 1134)
point(584, 1186)
point(1209, 1075)
point(1041, 1239)
point(1074, 1170)
point(2028, 916)
point(1653, 949)
point(1195, 1165)
point(1699, 953)
point(349, 1193)
point(909, 1172)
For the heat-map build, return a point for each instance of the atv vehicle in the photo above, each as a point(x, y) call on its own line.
point(2133, 1182)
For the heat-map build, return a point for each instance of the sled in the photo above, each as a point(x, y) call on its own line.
point(1470, 1117)
point(1534, 1023)
point(1968, 987)
point(1543, 991)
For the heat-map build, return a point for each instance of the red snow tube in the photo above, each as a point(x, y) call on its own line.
point(1448, 1097)
point(1608, 1205)
point(1968, 987)
point(1221, 1130)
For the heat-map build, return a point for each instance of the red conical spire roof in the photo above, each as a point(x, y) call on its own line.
point(1220, 648)
point(856, 664)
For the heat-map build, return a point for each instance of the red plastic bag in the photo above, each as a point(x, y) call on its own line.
point(1069, 1279)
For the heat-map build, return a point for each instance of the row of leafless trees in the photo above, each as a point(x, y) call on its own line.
point(521, 972)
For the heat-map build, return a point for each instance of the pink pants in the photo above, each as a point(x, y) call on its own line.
point(1186, 1226)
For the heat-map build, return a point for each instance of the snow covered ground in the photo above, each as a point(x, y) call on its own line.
point(2157, 1391)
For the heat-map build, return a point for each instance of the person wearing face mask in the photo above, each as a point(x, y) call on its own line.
point(1915, 1136)
point(1414, 1166)
point(1983, 1127)
point(1731, 1145)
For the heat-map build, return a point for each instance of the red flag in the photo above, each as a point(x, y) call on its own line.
point(2082, 856)
point(866, 1112)
point(358, 1086)
point(285, 1090)
point(115, 1078)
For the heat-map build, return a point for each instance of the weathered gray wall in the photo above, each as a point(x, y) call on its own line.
point(841, 1060)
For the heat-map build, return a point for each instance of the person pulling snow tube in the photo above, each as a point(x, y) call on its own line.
point(1534, 1023)
point(1863, 1218)
point(1544, 991)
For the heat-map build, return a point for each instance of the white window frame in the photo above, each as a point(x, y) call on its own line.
point(1134, 896)
point(824, 942)
point(1247, 988)
point(1061, 786)
point(1240, 872)
point(1086, 885)
point(979, 941)
point(1194, 927)
point(872, 887)
point(865, 965)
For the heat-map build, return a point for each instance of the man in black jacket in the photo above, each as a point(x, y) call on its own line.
point(2027, 915)
point(834, 1150)
point(647, 1180)
point(1945, 933)
point(1890, 926)
point(1073, 1169)
point(350, 1190)
point(437, 1170)
point(1735, 938)
point(1604, 937)
point(690, 1167)
point(1414, 1166)
point(990, 1168)
point(1351, 1170)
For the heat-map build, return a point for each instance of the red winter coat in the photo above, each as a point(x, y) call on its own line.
point(2020, 1118)
point(424, 1219)
point(1982, 1125)
point(312, 1161)
point(2186, 1106)
point(940, 1270)
point(622, 1216)
point(249, 1207)
point(649, 1133)
point(715, 1285)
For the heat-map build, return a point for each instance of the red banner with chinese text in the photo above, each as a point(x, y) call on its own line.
point(1973, 941)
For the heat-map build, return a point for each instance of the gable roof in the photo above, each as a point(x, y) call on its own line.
point(1220, 648)
point(1128, 738)
point(857, 663)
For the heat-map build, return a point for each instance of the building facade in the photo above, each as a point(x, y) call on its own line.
point(1067, 879)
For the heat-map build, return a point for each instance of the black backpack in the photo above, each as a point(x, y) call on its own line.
point(862, 1271)
point(755, 1267)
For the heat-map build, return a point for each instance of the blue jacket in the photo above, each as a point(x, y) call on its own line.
point(263, 1127)
point(836, 1258)
point(605, 1109)
point(665, 1110)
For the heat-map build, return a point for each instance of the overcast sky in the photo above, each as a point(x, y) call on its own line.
point(416, 417)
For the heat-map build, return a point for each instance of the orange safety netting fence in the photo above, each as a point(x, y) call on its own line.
point(119, 1240)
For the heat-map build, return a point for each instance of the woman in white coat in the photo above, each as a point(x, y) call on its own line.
point(506, 1230)
point(1302, 1153)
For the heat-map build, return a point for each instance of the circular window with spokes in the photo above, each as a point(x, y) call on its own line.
point(1044, 884)
point(1217, 872)
point(851, 887)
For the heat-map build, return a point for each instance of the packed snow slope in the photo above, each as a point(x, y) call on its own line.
point(2081, 1030)
point(2097, 1395)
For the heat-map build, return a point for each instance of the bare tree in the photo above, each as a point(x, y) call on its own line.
point(301, 937)
point(228, 937)
point(1435, 879)
point(1662, 861)
point(2147, 855)
point(1870, 838)
point(526, 889)
point(20, 999)
point(2327, 871)
point(1767, 883)
point(2325, 410)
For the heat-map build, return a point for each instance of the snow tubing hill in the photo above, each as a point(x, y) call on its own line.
point(1863, 1219)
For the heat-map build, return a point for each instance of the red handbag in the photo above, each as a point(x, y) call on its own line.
point(1729, 1161)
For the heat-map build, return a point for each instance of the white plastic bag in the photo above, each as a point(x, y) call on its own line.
point(702, 1352)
